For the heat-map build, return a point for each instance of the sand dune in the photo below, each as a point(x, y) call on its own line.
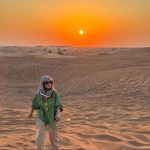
point(106, 97)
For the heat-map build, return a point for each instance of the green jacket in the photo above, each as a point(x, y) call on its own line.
point(46, 110)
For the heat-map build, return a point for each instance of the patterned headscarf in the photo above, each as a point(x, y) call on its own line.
point(41, 88)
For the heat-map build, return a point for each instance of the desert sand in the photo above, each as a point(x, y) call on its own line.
point(105, 92)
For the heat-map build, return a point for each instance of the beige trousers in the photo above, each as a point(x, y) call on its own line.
point(53, 135)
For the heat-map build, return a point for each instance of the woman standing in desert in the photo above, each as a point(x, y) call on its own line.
point(48, 105)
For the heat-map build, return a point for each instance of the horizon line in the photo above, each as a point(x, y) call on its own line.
point(75, 46)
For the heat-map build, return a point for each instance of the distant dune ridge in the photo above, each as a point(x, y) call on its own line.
point(105, 93)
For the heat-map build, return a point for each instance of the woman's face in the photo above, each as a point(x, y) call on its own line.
point(47, 85)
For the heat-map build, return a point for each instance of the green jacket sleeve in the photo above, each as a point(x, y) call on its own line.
point(58, 103)
point(35, 104)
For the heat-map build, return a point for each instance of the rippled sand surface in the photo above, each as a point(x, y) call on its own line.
point(106, 99)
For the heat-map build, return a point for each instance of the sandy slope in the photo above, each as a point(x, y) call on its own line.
point(106, 98)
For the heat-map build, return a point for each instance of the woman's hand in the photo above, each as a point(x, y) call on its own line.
point(58, 115)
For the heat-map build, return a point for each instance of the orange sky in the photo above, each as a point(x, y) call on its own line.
point(57, 22)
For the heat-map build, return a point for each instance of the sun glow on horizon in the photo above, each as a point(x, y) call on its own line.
point(83, 29)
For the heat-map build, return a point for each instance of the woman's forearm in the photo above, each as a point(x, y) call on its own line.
point(31, 113)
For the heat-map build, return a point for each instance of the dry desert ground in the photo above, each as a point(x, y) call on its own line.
point(105, 92)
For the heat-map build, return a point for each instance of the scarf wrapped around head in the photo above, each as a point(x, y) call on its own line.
point(41, 90)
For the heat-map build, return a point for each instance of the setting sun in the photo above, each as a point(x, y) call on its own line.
point(81, 32)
